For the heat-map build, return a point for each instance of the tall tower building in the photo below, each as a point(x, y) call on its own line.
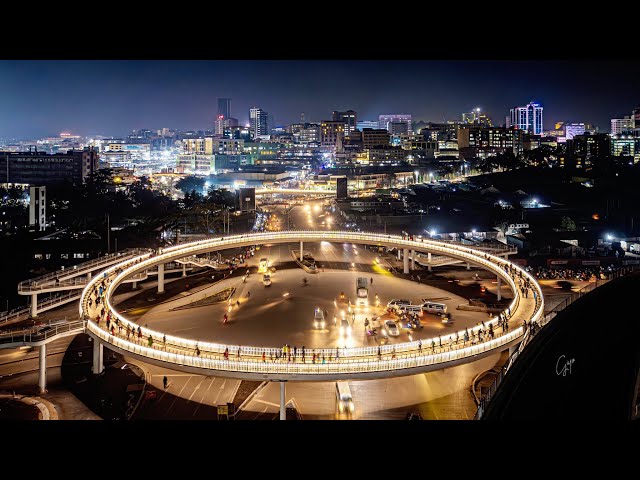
point(224, 107)
point(349, 118)
point(527, 118)
point(258, 122)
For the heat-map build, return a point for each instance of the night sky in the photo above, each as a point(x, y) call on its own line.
point(41, 98)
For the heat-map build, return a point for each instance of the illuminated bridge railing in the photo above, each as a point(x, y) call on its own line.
point(542, 321)
point(492, 263)
point(365, 365)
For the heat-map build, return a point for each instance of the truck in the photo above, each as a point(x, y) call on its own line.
point(362, 291)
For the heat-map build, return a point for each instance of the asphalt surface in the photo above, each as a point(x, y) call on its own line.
point(444, 394)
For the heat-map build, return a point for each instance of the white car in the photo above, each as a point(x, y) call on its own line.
point(392, 328)
point(397, 303)
point(345, 328)
point(318, 320)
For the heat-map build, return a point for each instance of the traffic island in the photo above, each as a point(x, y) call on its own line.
point(112, 395)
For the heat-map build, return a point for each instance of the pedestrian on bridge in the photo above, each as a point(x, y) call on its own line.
point(165, 382)
point(150, 341)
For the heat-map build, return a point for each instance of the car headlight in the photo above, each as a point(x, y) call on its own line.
point(340, 407)
point(351, 407)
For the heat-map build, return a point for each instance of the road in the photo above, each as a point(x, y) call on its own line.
point(443, 394)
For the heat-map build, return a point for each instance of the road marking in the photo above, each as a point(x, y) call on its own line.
point(197, 387)
point(177, 396)
point(224, 382)
point(267, 403)
point(204, 395)
point(171, 375)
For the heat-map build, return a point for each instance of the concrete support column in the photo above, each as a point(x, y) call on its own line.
point(184, 269)
point(413, 259)
point(283, 408)
point(134, 285)
point(301, 250)
point(42, 371)
point(468, 266)
point(88, 276)
point(499, 289)
point(34, 305)
point(429, 260)
point(161, 278)
point(506, 257)
point(98, 358)
point(398, 254)
point(405, 260)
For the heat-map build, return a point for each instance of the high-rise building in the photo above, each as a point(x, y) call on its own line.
point(573, 129)
point(37, 208)
point(349, 118)
point(224, 107)
point(625, 145)
point(479, 141)
point(477, 118)
point(362, 124)
point(330, 131)
point(635, 115)
point(40, 168)
point(621, 125)
point(398, 128)
point(385, 120)
point(258, 122)
point(527, 118)
point(221, 124)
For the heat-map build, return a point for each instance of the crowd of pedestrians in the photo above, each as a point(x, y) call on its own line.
point(578, 273)
point(292, 354)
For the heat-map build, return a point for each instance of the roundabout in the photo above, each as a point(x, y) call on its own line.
point(326, 359)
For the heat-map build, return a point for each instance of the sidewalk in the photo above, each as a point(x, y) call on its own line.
point(66, 405)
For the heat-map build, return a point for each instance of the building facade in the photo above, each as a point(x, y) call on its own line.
point(40, 168)
point(37, 208)
point(349, 118)
point(384, 121)
point(330, 131)
point(527, 118)
point(621, 125)
point(224, 107)
point(259, 124)
point(573, 129)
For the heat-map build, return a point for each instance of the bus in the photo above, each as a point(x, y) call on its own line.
point(345, 400)
point(362, 291)
point(263, 266)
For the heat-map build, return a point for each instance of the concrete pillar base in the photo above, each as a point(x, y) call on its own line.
point(42, 370)
point(161, 278)
point(405, 260)
point(301, 250)
point(34, 305)
point(468, 266)
point(98, 358)
point(413, 259)
point(283, 407)
point(499, 288)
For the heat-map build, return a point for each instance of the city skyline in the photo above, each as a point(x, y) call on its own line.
point(43, 98)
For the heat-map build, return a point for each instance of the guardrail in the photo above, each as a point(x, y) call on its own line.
point(41, 332)
point(38, 287)
point(344, 366)
point(409, 351)
point(48, 277)
point(536, 327)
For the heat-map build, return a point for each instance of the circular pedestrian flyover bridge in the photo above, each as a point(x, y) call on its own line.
point(319, 364)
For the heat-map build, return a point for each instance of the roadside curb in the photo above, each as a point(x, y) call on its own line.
point(46, 408)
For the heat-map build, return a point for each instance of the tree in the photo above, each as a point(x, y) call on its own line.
point(187, 184)
point(568, 224)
